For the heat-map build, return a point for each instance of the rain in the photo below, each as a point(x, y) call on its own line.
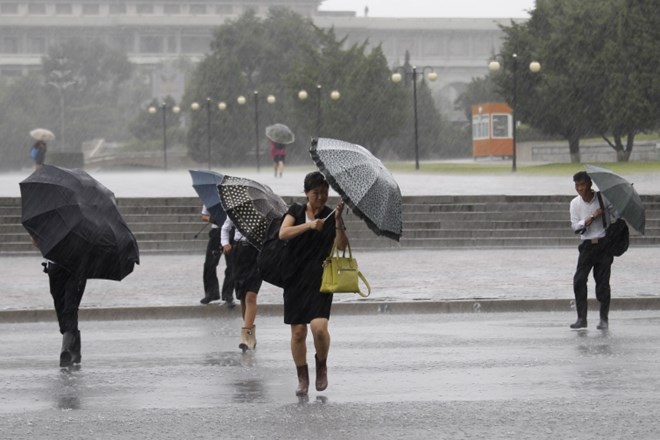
point(475, 121)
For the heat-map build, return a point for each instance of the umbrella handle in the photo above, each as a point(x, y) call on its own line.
point(328, 216)
point(201, 230)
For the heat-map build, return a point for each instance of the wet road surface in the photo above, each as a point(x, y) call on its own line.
point(446, 376)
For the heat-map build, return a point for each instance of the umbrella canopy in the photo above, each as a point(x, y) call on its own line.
point(251, 206)
point(280, 134)
point(42, 134)
point(621, 194)
point(205, 183)
point(363, 183)
point(75, 222)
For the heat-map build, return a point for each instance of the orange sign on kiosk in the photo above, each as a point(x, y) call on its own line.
point(492, 130)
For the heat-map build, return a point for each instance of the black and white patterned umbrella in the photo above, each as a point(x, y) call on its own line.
point(363, 183)
point(251, 206)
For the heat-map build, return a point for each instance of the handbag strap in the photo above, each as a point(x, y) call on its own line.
point(602, 208)
point(366, 283)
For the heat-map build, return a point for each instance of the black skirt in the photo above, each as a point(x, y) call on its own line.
point(303, 300)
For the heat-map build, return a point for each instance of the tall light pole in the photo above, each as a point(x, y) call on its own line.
point(163, 107)
point(534, 67)
point(270, 99)
point(61, 80)
point(208, 103)
point(334, 95)
point(431, 76)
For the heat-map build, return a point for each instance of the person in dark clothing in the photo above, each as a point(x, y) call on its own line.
point(67, 290)
point(586, 220)
point(211, 261)
point(278, 153)
point(311, 229)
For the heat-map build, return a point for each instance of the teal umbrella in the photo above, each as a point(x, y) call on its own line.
point(621, 194)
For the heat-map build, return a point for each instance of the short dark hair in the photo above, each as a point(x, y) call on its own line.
point(314, 180)
point(581, 176)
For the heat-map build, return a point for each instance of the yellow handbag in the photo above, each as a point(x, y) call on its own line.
point(341, 274)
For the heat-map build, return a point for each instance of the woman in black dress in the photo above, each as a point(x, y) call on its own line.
point(311, 230)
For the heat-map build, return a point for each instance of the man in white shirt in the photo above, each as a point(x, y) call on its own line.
point(587, 221)
point(211, 261)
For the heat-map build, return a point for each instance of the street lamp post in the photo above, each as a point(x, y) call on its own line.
point(431, 76)
point(534, 67)
point(334, 95)
point(208, 103)
point(163, 107)
point(256, 126)
point(60, 82)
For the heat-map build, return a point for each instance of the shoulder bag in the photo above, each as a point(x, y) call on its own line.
point(341, 274)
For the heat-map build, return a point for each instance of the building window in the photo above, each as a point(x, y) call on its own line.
point(121, 42)
point(144, 8)
point(36, 45)
point(9, 45)
point(37, 8)
point(171, 44)
point(224, 9)
point(480, 127)
point(171, 9)
point(63, 9)
point(198, 9)
point(117, 8)
point(91, 9)
point(9, 9)
point(195, 44)
point(151, 44)
point(501, 126)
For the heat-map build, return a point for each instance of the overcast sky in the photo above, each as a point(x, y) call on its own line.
point(434, 8)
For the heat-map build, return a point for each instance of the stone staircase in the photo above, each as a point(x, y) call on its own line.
point(169, 225)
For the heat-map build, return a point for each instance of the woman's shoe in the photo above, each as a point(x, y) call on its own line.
point(303, 381)
point(321, 374)
point(66, 355)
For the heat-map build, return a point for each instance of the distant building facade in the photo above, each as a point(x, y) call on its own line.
point(153, 32)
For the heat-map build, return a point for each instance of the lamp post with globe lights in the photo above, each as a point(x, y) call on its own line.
point(534, 67)
point(397, 76)
point(195, 106)
point(163, 108)
point(334, 96)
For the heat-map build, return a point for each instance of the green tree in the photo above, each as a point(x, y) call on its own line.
point(84, 80)
point(23, 107)
point(282, 54)
point(629, 63)
point(599, 70)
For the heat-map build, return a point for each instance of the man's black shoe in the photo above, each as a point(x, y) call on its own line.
point(580, 323)
point(208, 299)
point(603, 325)
point(230, 303)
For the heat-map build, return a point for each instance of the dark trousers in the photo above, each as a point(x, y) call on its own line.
point(67, 291)
point(593, 256)
point(210, 277)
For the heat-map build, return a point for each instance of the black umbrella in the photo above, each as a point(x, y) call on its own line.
point(621, 194)
point(205, 183)
point(363, 183)
point(251, 206)
point(75, 222)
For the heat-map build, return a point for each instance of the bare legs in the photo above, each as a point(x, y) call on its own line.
point(319, 328)
point(249, 311)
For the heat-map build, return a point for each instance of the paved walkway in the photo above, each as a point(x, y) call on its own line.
point(395, 275)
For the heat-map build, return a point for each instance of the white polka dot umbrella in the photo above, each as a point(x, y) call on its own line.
point(363, 183)
point(251, 206)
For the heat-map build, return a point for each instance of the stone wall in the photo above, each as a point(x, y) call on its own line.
point(557, 152)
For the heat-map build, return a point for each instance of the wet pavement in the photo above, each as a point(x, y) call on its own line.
point(445, 376)
point(405, 276)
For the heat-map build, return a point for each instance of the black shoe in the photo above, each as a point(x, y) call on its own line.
point(66, 354)
point(208, 299)
point(76, 357)
point(603, 325)
point(580, 323)
point(230, 303)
